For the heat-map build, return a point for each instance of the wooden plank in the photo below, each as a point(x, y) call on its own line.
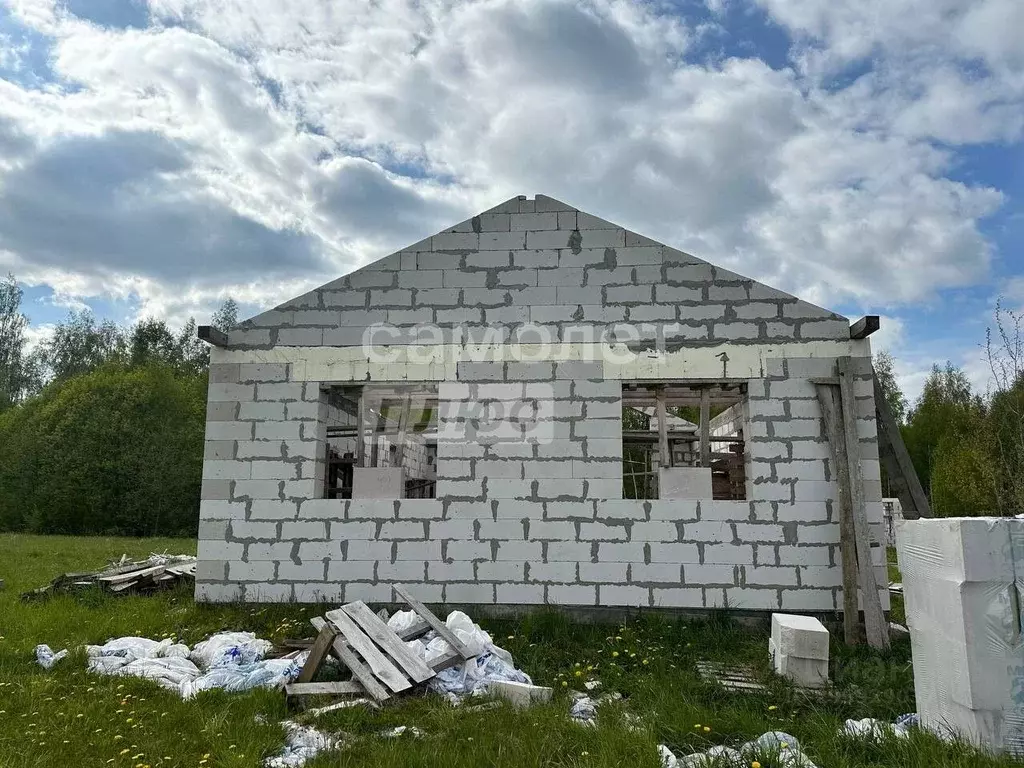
point(378, 663)
point(359, 670)
point(343, 688)
point(900, 469)
point(664, 456)
point(418, 629)
point(130, 575)
point(384, 637)
point(864, 327)
point(212, 335)
point(360, 431)
point(450, 658)
point(438, 626)
point(403, 421)
point(875, 627)
point(831, 413)
point(705, 428)
point(317, 654)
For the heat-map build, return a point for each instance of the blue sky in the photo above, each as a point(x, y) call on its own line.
point(159, 156)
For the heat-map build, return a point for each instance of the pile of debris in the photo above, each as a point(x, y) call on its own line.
point(412, 650)
point(124, 575)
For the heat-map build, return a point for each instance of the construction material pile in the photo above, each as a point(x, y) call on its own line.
point(413, 650)
point(158, 571)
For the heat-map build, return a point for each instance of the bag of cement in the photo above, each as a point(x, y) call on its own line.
point(716, 757)
point(870, 728)
point(229, 648)
point(130, 648)
point(169, 673)
point(301, 744)
point(47, 658)
point(668, 760)
point(269, 673)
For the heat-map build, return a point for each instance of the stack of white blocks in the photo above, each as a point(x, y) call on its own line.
point(962, 582)
point(799, 649)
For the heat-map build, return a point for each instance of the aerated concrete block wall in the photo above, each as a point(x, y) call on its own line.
point(539, 518)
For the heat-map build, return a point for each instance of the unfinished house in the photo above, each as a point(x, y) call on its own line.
point(538, 407)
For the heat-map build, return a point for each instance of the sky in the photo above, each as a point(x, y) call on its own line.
point(159, 156)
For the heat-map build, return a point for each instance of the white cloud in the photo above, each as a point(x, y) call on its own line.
point(254, 149)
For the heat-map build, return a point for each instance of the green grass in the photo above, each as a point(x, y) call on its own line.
point(68, 718)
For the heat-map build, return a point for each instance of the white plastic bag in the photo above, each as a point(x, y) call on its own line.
point(47, 658)
point(301, 744)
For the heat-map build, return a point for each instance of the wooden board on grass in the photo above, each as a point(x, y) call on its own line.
point(386, 638)
point(359, 670)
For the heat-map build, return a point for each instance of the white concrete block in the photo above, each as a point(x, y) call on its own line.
point(520, 694)
point(809, 673)
point(800, 636)
point(684, 482)
point(378, 483)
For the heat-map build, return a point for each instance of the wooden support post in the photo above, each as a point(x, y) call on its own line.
point(892, 452)
point(705, 427)
point(876, 629)
point(361, 430)
point(403, 425)
point(663, 450)
point(831, 413)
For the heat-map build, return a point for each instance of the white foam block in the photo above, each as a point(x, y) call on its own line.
point(963, 604)
point(800, 636)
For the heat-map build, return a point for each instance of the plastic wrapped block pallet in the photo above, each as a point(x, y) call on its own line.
point(962, 582)
point(799, 649)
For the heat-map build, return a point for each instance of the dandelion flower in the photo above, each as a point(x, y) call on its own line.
point(615, 654)
point(755, 764)
point(707, 729)
point(772, 708)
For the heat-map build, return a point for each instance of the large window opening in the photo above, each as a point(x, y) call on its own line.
point(683, 440)
point(382, 442)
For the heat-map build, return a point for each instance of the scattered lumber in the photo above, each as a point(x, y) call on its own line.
point(380, 663)
point(158, 571)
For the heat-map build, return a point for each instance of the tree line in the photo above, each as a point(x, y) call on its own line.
point(101, 426)
point(967, 446)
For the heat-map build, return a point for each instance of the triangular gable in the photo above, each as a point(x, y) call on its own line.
point(541, 261)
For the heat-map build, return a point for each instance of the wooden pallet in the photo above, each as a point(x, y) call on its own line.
point(380, 662)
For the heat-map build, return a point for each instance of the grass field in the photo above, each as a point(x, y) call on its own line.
point(68, 718)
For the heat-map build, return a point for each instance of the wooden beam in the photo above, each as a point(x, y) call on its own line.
point(374, 658)
point(664, 457)
point(359, 670)
point(212, 335)
point(864, 327)
point(317, 654)
point(439, 626)
point(831, 414)
point(403, 423)
point(875, 627)
point(361, 431)
point(892, 451)
point(385, 637)
point(343, 688)
point(705, 428)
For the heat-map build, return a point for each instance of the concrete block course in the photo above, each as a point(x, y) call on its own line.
point(528, 522)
